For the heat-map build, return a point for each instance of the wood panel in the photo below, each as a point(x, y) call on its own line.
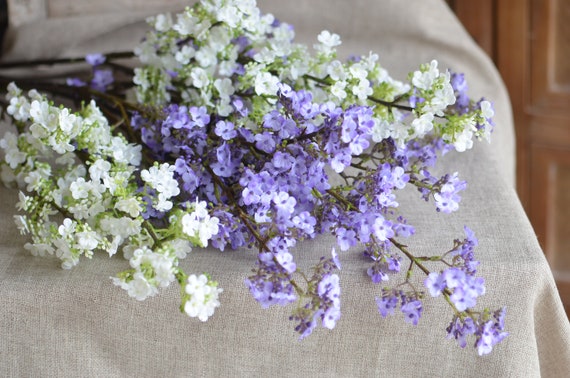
point(478, 18)
point(530, 45)
point(550, 66)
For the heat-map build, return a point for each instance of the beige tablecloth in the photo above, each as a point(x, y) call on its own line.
point(76, 323)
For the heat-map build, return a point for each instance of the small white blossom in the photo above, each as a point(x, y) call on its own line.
point(224, 87)
point(185, 24)
point(336, 71)
point(200, 78)
point(140, 288)
point(266, 84)
point(362, 90)
point(162, 22)
point(327, 41)
point(99, 169)
point(424, 80)
point(130, 206)
point(338, 90)
point(487, 109)
point(423, 124)
point(199, 224)
point(13, 156)
point(203, 297)
point(184, 55)
point(87, 240)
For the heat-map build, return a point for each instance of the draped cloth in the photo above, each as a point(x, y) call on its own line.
point(56, 322)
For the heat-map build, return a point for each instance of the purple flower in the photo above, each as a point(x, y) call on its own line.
point(329, 289)
point(102, 79)
point(75, 82)
point(377, 274)
point(412, 311)
point(265, 142)
point(387, 304)
point(489, 335)
point(435, 283)
point(460, 329)
point(200, 116)
point(330, 317)
point(345, 238)
point(285, 259)
point(95, 59)
point(335, 258)
point(225, 130)
point(447, 199)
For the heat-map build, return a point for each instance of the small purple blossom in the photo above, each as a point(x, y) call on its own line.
point(95, 59)
point(225, 130)
point(345, 238)
point(412, 311)
point(387, 305)
point(75, 82)
point(102, 79)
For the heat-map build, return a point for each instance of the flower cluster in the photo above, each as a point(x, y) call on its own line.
point(241, 137)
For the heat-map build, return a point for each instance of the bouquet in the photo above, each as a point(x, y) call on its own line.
point(228, 133)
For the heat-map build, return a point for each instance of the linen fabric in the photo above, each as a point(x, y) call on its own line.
point(55, 322)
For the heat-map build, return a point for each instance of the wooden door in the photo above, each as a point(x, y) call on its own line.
point(529, 41)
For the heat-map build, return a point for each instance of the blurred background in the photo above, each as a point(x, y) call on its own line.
point(529, 42)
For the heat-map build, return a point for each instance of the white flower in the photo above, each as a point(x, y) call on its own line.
point(163, 267)
point(203, 297)
point(338, 90)
point(130, 206)
point(24, 201)
point(22, 224)
point(68, 123)
point(13, 156)
point(200, 78)
point(35, 179)
point(122, 152)
point(230, 15)
point(219, 38)
point(443, 97)
point(39, 249)
point(87, 240)
point(336, 71)
point(99, 169)
point(181, 248)
point(185, 24)
point(140, 288)
point(184, 55)
point(424, 79)
point(224, 87)
point(79, 188)
point(463, 141)
point(423, 125)
point(40, 112)
point(266, 84)
point(122, 227)
point(65, 254)
point(358, 71)
point(328, 39)
point(199, 224)
point(162, 22)
point(67, 228)
point(206, 56)
point(362, 90)
point(19, 108)
point(487, 109)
